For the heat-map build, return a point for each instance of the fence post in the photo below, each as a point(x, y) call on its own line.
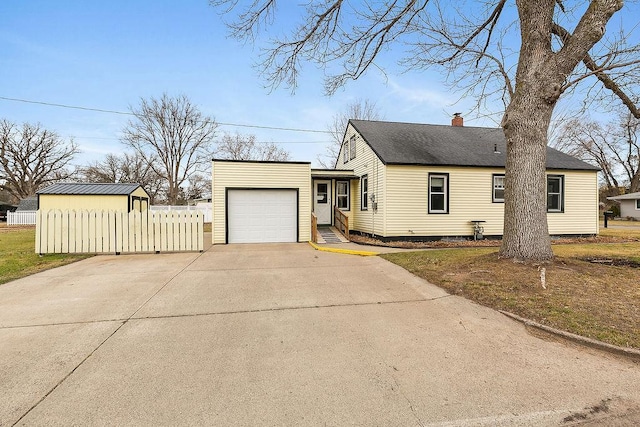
point(38, 231)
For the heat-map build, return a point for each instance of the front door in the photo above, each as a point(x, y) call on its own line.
point(322, 201)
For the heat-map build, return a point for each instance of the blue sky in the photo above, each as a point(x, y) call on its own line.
point(109, 54)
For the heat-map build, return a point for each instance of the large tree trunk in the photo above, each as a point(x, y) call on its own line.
point(526, 234)
point(525, 124)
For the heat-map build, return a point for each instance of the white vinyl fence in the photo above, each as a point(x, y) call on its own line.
point(21, 218)
point(205, 208)
point(117, 232)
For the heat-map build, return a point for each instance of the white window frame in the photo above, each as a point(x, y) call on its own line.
point(345, 152)
point(444, 193)
point(560, 194)
point(496, 187)
point(344, 196)
point(364, 193)
point(638, 204)
point(352, 148)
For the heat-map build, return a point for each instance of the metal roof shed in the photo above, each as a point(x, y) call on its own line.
point(93, 196)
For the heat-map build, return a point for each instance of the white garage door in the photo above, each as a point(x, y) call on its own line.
point(262, 216)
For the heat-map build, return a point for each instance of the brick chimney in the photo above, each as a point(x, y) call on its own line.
point(457, 120)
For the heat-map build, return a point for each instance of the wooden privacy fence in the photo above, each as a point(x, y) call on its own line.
point(116, 232)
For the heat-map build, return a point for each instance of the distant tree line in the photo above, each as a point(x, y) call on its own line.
point(168, 145)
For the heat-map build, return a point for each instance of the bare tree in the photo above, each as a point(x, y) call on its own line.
point(199, 187)
point(613, 147)
point(529, 62)
point(245, 147)
point(129, 168)
point(6, 197)
point(31, 157)
point(360, 109)
point(173, 137)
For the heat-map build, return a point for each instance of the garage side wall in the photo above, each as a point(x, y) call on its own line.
point(260, 175)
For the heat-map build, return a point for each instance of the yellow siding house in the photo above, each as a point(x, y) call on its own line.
point(396, 181)
point(93, 196)
point(426, 182)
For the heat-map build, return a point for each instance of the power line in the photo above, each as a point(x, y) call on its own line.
point(51, 104)
point(124, 113)
point(257, 142)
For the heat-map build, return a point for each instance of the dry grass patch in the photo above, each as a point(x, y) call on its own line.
point(590, 299)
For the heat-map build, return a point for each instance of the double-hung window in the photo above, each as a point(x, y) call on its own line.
point(555, 193)
point(364, 192)
point(342, 195)
point(345, 152)
point(498, 188)
point(352, 147)
point(438, 193)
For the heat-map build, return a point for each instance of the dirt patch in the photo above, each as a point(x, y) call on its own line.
point(602, 407)
point(617, 262)
point(13, 228)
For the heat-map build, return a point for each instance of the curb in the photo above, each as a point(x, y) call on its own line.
point(343, 251)
point(631, 353)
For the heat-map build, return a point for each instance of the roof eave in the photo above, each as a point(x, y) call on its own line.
point(501, 166)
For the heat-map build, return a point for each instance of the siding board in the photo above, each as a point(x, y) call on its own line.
point(470, 198)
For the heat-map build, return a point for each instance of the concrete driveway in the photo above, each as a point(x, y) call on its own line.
point(283, 335)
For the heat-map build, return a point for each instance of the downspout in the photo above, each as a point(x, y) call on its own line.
point(374, 203)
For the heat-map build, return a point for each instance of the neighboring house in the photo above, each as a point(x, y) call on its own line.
point(28, 204)
point(206, 198)
point(4, 208)
point(398, 181)
point(629, 205)
point(87, 196)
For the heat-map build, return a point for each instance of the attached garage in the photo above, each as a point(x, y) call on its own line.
point(262, 215)
point(261, 202)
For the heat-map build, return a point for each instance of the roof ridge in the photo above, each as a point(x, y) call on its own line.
point(95, 183)
point(425, 124)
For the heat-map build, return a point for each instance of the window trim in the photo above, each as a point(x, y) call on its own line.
point(560, 194)
point(345, 151)
point(352, 147)
point(348, 195)
point(364, 195)
point(638, 204)
point(327, 193)
point(446, 193)
point(495, 199)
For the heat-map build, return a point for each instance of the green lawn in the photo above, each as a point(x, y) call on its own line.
point(18, 258)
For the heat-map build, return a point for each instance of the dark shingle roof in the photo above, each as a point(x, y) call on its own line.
point(28, 204)
point(89, 188)
point(443, 145)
